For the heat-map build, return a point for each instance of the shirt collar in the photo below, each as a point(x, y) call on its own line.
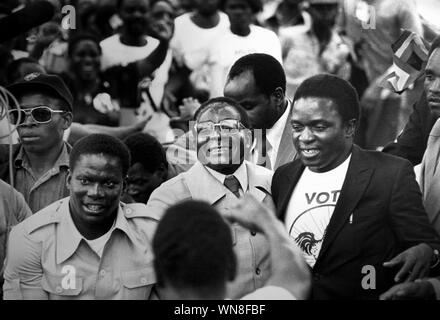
point(68, 236)
point(240, 174)
point(21, 160)
point(275, 133)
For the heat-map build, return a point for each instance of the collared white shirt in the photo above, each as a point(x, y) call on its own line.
point(240, 174)
point(98, 244)
point(273, 137)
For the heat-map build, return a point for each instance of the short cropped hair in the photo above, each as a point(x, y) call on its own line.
point(146, 150)
point(220, 103)
point(101, 144)
point(328, 86)
point(435, 44)
point(267, 71)
point(193, 247)
point(77, 38)
point(256, 5)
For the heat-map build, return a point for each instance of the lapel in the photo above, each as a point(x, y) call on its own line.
point(356, 181)
point(430, 174)
point(202, 185)
point(293, 174)
point(286, 150)
point(259, 180)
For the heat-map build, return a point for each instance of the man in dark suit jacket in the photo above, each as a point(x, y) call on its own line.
point(351, 211)
point(411, 143)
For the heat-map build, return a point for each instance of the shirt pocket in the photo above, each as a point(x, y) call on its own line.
point(138, 283)
point(63, 286)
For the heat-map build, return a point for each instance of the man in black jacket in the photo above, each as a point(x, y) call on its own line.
point(351, 211)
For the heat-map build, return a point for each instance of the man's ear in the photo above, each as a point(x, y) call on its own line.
point(278, 97)
point(162, 172)
point(350, 128)
point(68, 118)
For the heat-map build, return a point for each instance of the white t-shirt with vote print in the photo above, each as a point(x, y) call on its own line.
point(311, 207)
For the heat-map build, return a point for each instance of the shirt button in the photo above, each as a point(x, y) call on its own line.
point(59, 289)
point(253, 233)
point(128, 210)
point(102, 273)
point(144, 280)
point(258, 271)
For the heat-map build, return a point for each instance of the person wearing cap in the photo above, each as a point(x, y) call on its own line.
point(40, 161)
point(88, 245)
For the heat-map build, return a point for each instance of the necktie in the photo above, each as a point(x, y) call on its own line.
point(263, 154)
point(233, 185)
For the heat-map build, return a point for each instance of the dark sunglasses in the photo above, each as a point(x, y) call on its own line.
point(40, 114)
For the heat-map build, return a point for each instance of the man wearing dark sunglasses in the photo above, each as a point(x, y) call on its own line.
point(221, 177)
point(40, 162)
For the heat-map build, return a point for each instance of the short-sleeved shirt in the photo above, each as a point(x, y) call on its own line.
point(50, 187)
point(13, 209)
point(48, 258)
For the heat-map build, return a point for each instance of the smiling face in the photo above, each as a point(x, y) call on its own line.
point(41, 137)
point(222, 151)
point(96, 184)
point(321, 138)
point(432, 81)
point(85, 60)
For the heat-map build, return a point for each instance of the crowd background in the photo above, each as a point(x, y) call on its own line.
point(311, 37)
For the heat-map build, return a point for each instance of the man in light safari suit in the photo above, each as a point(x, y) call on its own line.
point(210, 180)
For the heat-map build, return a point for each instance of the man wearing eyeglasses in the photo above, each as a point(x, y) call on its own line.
point(220, 177)
point(40, 162)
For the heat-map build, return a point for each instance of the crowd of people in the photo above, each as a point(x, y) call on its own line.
point(219, 149)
